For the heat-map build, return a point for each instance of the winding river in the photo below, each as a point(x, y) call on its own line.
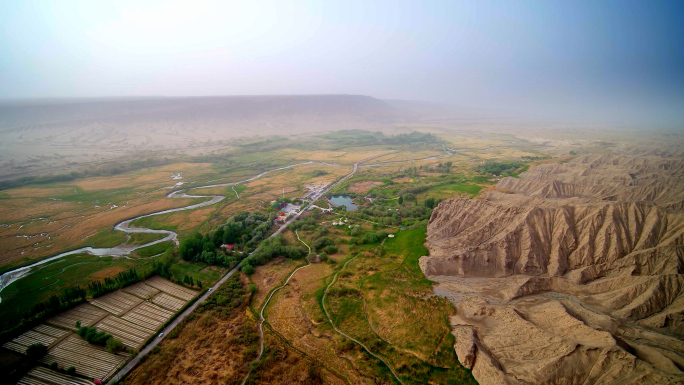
point(122, 250)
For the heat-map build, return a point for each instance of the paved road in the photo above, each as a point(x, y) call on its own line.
point(123, 372)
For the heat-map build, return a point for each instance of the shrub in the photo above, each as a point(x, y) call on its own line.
point(252, 288)
point(248, 269)
point(71, 370)
point(53, 365)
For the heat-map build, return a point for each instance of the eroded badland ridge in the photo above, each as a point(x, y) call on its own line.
point(570, 274)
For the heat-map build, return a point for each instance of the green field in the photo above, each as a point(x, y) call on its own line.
point(383, 300)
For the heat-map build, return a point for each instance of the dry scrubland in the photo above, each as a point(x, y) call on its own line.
point(573, 271)
point(47, 219)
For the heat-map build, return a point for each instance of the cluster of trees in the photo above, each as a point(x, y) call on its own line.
point(227, 297)
point(90, 334)
point(395, 215)
point(431, 203)
point(191, 282)
point(269, 249)
point(503, 168)
point(306, 224)
point(124, 278)
point(368, 237)
point(412, 138)
point(316, 173)
point(56, 303)
point(244, 230)
point(162, 269)
point(444, 168)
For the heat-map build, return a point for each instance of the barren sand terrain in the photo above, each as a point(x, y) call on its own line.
point(570, 274)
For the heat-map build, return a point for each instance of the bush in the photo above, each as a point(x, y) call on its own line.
point(323, 257)
point(53, 365)
point(252, 288)
point(248, 269)
point(71, 370)
point(36, 351)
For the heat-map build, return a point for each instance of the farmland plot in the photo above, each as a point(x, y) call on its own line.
point(89, 360)
point(148, 315)
point(130, 334)
point(171, 288)
point(141, 290)
point(42, 376)
point(86, 313)
point(117, 302)
point(43, 334)
point(169, 302)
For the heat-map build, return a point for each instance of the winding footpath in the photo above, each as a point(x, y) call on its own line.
point(262, 318)
point(325, 309)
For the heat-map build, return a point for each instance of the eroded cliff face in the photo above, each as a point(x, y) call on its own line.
point(574, 275)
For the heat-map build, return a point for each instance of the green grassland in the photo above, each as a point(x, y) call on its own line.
point(383, 300)
point(52, 278)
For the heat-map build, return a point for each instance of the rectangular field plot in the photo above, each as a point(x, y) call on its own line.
point(89, 360)
point(43, 334)
point(169, 302)
point(130, 334)
point(171, 288)
point(148, 315)
point(42, 376)
point(117, 302)
point(141, 290)
point(86, 313)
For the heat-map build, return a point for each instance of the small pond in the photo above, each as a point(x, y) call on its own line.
point(343, 200)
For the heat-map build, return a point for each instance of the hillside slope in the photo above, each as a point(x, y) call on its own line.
point(573, 277)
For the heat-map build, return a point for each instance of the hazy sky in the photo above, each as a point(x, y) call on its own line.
point(614, 61)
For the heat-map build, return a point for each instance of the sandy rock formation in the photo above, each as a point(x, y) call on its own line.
point(575, 277)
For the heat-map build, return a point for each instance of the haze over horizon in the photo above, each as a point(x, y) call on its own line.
point(609, 62)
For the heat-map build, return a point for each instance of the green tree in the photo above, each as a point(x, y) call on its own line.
point(71, 370)
point(114, 345)
point(248, 269)
point(430, 203)
point(36, 351)
point(401, 199)
point(331, 249)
